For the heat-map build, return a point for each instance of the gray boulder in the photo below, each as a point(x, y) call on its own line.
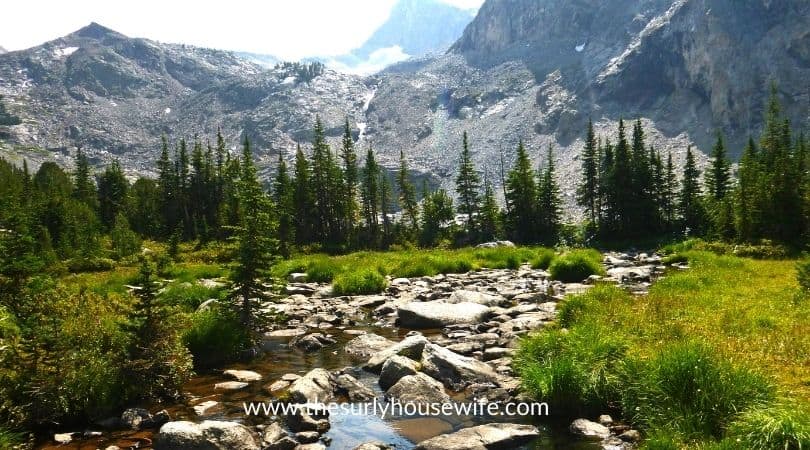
point(312, 342)
point(590, 430)
point(482, 437)
point(316, 386)
point(418, 389)
point(365, 345)
point(410, 347)
point(208, 435)
point(353, 389)
point(395, 368)
point(481, 298)
point(454, 370)
point(373, 445)
point(438, 314)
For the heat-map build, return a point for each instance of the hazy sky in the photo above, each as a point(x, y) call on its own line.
point(290, 29)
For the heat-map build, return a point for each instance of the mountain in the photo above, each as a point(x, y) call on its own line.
point(116, 96)
point(414, 28)
point(2, 50)
point(531, 70)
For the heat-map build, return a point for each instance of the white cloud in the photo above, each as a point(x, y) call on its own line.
point(377, 60)
point(290, 29)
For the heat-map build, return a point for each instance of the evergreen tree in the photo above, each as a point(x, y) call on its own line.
point(168, 190)
point(256, 244)
point(113, 190)
point(669, 194)
point(521, 192)
point(370, 195)
point(437, 210)
point(690, 205)
point(303, 200)
point(407, 195)
point(467, 186)
point(587, 191)
point(84, 190)
point(144, 208)
point(718, 178)
point(350, 178)
point(283, 197)
point(385, 208)
point(622, 185)
point(490, 216)
point(549, 210)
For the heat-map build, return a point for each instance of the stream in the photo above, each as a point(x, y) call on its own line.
point(521, 299)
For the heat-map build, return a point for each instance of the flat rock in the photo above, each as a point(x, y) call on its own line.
point(481, 298)
point(243, 375)
point(454, 370)
point(418, 389)
point(277, 386)
point(204, 407)
point(353, 389)
point(587, 429)
point(373, 445)
point(208, 435)
point(438, 314)
point(289, 332)
point(482, 437)
point(365, 345)
point(231, 385)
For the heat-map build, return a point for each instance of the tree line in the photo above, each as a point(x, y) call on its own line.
point(629, 190)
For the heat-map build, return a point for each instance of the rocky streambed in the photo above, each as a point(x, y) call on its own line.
point(440, 339)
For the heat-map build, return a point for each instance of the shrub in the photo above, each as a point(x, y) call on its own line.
point(420, 266)
point(577, 371)
point(214, 337)
point(189, 295)
point(79, 265)
point(773, 427)
point(360, 282)
point(10, 439)
point(543, 259)
point(688, 389)
point(576, 266)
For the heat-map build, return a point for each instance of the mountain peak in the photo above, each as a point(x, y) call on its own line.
point(96, 31)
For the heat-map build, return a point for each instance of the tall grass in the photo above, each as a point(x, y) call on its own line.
point(576, 266)
point(783, 426)
point(214, 336)
point(359, 282)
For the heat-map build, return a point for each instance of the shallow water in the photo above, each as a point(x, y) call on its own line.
point(348, 429)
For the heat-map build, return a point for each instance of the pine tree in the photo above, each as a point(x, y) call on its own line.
point(587, 191)
point(385, 208)
point(622, 185)
point(84, 190)
point(467, 186)
point(669, 194)
point(718, 178)
point(521, 192)
point(303, 201)
point(490, 216)
point(350, 178)
point(167, 187)
point(113, 190)
point(437, 210)
point(607, 190)
point(370, 195)
point(256, 245)
point(549, 210)
point(690, 205)
point(283, 197)
point(407, 195)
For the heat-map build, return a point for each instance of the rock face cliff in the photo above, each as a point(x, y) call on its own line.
point(534, 70)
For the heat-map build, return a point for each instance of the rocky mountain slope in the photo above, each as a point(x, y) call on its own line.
point(534, 70)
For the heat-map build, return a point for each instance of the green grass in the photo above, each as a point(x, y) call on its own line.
point(710, 355)
point(577, 265)
point(214, 336)
point(359, 282)
point(10, 439)
point(190, 295)
point(543, 259)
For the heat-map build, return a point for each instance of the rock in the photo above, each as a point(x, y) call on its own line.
point(454, 370)
point(316, 386)
point(277, 386)
point(495, 244)
point(285, 443)
point(275, 438)
point(160, 418)
point(208, 304)
point(299, 289)
point(418, 389)
point(204, 407)
point(353, 389)
point(369, 301)
point(312, 342)
point(63, 438)
point(231, 385)
point(135, 418)
point(307, 437)
point(464, 296)
point(309, 419)
point(208, 435)
point(605, 420)
point(289, 332)
point(410, 347)
point(290, 377)
point(365, 345)
point(395, 368)
point(630, 436)
point(400, 282)
point(373, 445)
point(482, 437)
point(297, 277)
point(315, 446)
point(242, 375)
point(437, 314)
point(497, 353)
point(587, 429)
